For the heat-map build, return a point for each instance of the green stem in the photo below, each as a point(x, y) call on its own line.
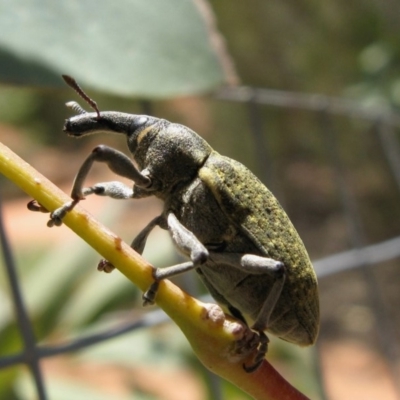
point(212, 335)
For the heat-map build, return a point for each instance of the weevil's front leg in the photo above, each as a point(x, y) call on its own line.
point(138, 244)
point(117, 162)
point(114, 189)
point(188, 244)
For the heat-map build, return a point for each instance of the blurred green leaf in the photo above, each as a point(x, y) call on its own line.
point(130, 47)
point(375, 57)
point(5, 306)
point(91, 295)
point(53, 273)
point(17, 105)
point(160, 346)
point(60, 270)
point(67, 389)
point(95, 291)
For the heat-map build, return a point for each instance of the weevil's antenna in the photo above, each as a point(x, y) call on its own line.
point(74, 84)
point(76, 107)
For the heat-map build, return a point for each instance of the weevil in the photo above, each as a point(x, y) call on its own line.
point(219, 215)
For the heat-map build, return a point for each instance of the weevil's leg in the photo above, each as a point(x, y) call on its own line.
point(187, 242)
point(163, 273)
point(57, 215)
point(278, 271)
point(138, 244)
point(33, 205)
point(117, 162)
point(140, 240)
point(255, 265)
point(258, 265)
point(114, 189)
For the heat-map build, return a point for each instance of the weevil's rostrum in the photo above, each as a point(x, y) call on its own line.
point(233, 230)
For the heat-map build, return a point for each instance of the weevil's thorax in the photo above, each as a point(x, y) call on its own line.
point(171, 155)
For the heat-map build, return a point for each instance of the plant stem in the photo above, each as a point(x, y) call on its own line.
point(212, 335)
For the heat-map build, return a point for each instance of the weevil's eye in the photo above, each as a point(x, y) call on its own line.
point(138, 122)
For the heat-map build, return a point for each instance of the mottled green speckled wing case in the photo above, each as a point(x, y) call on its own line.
point(256, 211)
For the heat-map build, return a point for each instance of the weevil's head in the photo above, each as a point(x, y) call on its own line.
point(169, 154)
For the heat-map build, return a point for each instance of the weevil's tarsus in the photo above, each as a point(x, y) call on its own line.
point(105, 266)
point(150, 294)
point(74, 84)
point(33, 205)
point(57, 215)
point(138, 243)
point(261, 352)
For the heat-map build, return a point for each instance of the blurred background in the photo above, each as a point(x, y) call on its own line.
point(304, 93)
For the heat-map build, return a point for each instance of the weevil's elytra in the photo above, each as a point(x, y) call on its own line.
point(233, 230)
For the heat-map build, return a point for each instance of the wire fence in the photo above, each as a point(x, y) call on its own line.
point(361, 255)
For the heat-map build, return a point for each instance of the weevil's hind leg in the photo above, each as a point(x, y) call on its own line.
point(138, 244)
point(188, 244)
point(278, 271)
point(258, 265)
point(117, 162)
